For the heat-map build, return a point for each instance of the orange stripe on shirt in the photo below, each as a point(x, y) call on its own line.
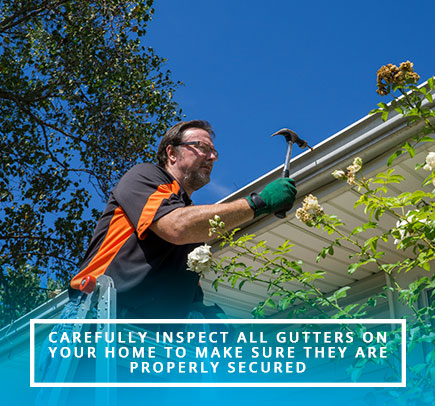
point(152, 205)
point(120, 229)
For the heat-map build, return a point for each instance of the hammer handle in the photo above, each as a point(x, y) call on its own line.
point(281, 214)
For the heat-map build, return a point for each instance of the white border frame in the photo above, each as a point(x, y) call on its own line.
point(400, 384)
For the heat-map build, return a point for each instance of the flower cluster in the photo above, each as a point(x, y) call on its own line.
point(430, 162)
point(310, 210)
point(215, 224)
point(405, 230)
point(390, 74)
point(351, 170)
point(199, 260)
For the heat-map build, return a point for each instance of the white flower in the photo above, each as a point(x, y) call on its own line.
point(199, 260)
point(216, 222)
point(339, 174)
point(402, 225)
point(302, 215)
point(399, 228)
point(311, 204)
point(358, 162)
point(310, 210)
point(356, 166)
point(430, 162)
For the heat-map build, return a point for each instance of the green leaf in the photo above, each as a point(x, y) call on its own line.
point(410, 149)
point(426, 139)
point(284, 303)
point(394, 156)
point(270, 303)
point(340, 293)
point(352, 268)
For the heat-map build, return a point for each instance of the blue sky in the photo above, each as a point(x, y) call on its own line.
point(253, 67)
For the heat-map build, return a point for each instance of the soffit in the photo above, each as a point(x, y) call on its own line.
point(312, 172)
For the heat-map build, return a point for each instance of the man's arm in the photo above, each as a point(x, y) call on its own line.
point(190, 224)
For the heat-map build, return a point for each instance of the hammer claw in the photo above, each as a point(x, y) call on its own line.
point(292, 137)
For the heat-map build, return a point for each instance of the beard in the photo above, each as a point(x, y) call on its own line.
point(196, 179)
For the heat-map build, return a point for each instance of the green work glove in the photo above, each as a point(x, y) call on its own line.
point(276, 196)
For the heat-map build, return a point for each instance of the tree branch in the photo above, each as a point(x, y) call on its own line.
point(26, 13)
point(18, 101)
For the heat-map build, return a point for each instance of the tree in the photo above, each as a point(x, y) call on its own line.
point(81, 101)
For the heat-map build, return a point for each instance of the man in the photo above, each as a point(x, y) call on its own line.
point(150, 225)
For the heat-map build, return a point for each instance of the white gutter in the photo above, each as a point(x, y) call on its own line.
point(369, 138)
point(18, 332)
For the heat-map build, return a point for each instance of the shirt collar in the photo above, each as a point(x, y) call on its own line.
point(184, 194)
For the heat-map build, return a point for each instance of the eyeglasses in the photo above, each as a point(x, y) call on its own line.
point(202, 146)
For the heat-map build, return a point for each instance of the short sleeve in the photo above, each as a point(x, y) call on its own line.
point(147, 193)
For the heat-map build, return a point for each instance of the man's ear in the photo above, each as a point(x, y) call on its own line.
point(172, 153)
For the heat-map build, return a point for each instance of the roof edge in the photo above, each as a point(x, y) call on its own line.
point(368, 137)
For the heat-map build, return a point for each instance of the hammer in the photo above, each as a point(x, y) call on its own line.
point(291, 137)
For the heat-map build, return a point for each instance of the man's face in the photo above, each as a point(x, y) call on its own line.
point(194, 162)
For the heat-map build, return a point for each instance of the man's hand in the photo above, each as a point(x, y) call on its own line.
point(276, 196)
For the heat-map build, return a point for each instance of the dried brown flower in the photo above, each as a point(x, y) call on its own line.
point(399, 78)
point(406, 66)
point(352, 169)
point(350, 178)
point(390, 75)
point(310, 210)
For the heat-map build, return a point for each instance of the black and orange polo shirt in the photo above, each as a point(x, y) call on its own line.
point(149, 273)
